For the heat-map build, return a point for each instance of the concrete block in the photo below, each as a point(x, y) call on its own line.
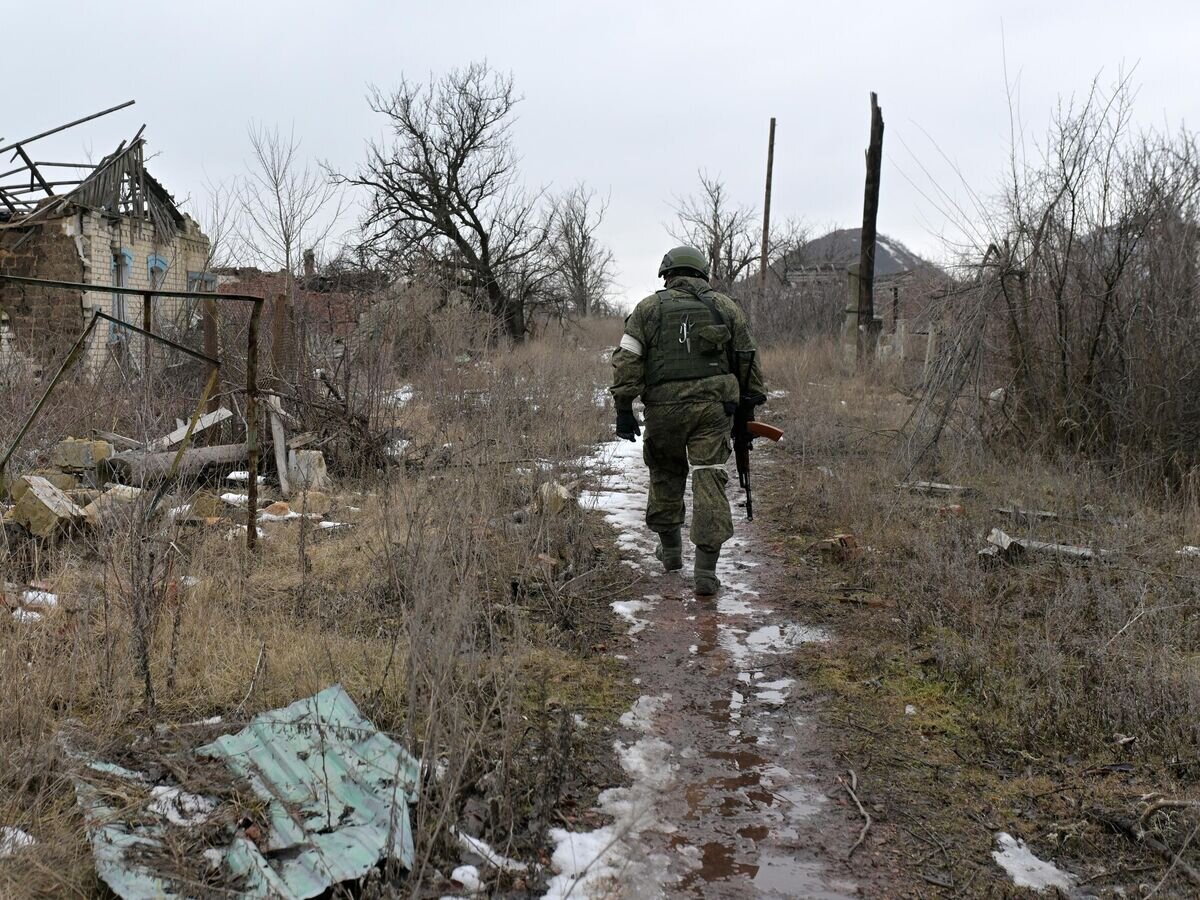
point(79, 455)
point(44, 509)
point(112, 504)
point(60, 480)
point(306, 470)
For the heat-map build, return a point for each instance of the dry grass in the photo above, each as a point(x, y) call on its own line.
point(459, 611)
point(1041, 668)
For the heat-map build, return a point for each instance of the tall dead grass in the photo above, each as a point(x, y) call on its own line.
point(1052, 657)
point(458, 608)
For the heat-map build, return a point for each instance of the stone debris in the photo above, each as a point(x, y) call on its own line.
point(75, 455)
point(553, 498)
point(60, 480)
point(306, 470)
point(44, 509)
point(840, 547)
point(113, 504)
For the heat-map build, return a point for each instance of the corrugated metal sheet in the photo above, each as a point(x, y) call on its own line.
point(337, 794)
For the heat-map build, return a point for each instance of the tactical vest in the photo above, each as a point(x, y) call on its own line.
point(692, 340)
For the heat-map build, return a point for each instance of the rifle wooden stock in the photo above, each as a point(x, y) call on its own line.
point(763, 430)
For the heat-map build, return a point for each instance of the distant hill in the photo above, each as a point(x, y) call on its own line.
point(840, 249)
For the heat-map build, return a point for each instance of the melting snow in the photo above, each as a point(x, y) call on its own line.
point(592, 864)
point(1025, 869)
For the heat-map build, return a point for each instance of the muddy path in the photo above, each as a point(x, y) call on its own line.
point(731, 792)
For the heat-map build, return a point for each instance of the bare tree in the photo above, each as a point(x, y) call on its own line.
point(725, 230)
point(583, 267)
point(444, 192)
point(219, 221)
point(285, 205)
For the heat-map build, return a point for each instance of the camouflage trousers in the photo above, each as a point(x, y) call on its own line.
point(678, 434)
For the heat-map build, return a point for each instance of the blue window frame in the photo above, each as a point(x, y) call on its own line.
point(122, 265)
point(156, 270)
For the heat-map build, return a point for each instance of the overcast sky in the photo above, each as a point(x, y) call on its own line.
point(631, 97)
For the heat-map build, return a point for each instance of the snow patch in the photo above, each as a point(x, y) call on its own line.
point(13, 839)
point(595, 864)
point(1026, 870)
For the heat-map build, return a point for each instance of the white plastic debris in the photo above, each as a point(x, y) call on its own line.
point(235, 499)
point(39, 599)
point(26, 615)
point(910, 710)
point(244, 477)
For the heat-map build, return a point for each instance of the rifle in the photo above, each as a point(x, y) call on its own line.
point(745, 430)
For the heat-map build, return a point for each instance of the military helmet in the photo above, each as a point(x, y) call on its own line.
point(684, 258)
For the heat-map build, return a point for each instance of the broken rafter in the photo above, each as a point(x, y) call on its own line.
point(38, 137)
point(34, 171)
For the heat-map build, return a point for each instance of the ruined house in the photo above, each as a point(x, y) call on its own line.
point(111, 223)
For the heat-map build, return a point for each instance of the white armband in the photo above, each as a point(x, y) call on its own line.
point(632, 344)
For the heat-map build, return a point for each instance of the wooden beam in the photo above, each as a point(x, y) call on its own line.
point(34, 172)
point(38, 137)
point(766, 229)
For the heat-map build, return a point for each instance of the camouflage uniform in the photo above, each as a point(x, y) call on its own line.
point(687, 420)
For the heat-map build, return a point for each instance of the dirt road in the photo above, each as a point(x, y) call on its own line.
point(728, 785)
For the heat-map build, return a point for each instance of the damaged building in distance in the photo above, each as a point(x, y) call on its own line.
point(109, 223)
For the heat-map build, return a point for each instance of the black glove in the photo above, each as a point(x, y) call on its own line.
point(627, 425)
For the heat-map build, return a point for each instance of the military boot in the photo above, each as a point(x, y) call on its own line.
point(707, 583)
point(670, 550)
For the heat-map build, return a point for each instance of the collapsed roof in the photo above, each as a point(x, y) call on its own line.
point(118, 185)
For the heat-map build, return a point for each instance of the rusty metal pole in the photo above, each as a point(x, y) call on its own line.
point(766, 230)
point(866, 264)
point(252, 426)
point(208, 315)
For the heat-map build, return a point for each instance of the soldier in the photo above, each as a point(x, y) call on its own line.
point(687, 352)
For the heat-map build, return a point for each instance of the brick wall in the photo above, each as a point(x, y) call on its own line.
point(84, 247)
point(43, 322)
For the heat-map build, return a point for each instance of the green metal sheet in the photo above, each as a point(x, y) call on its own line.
point(337, 793)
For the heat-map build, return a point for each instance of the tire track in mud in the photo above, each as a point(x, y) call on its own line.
point(727, 779)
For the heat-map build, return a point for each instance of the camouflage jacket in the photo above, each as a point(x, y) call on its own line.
point(641, 330)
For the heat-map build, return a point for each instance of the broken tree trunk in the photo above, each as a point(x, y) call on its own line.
point(866, 267)
point(140, 467)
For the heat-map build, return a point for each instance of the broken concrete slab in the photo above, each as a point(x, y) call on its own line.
point(175, 438)
point(113, 504)
point(44, 509)
point(77, 455)
point(59, 479)
point(1003, 545)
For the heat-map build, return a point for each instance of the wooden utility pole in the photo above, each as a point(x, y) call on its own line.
point(866, 265)
point(766, 230)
